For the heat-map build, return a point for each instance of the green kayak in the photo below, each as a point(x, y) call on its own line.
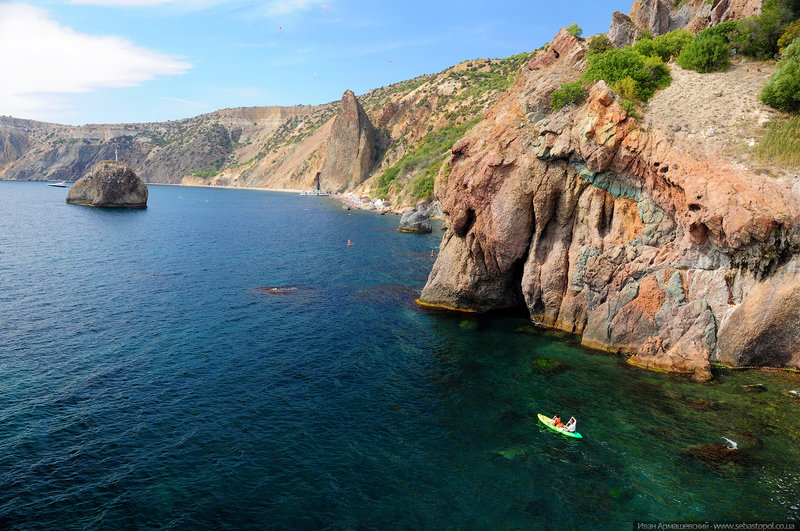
point(546, 421)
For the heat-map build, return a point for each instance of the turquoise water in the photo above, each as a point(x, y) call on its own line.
point(146, 381)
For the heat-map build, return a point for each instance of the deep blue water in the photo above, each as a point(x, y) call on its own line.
point(146, 381)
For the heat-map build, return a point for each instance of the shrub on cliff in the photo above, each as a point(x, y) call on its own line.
point(425, 159)
point(723, 29)
point(782, 90)
point(707, 53)
point(567, 94)
point(791, 32)
point(757, 36)
point(575, 30)
point(599, 44)
point(664, 46)
point(647, 74)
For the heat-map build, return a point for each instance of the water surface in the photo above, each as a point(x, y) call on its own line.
point(150, 376)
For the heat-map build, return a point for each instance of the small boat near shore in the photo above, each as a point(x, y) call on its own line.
point(60, 184)
point(314, 192)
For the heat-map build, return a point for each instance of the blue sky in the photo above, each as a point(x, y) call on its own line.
point(113, 61)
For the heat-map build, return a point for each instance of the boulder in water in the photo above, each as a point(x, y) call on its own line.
point(109, 184)
point(416, 221)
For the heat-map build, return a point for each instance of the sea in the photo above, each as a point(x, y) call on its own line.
point(224, 360)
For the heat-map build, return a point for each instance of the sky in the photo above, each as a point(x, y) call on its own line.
point(130, 61)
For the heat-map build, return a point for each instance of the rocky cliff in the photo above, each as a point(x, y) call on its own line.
point(607, 226)
point(351, 148)
point(659, 16)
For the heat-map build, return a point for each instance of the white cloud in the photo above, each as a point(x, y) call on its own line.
point(188, 4)
point(284, 7)
point(270, 8)
point(44, 60)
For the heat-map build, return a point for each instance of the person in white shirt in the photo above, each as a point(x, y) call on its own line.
point(570, 427)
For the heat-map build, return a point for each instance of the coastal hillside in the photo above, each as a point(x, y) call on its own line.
point(632, 207)
point(415, 122)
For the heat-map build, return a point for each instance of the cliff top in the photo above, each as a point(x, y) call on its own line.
point(719, 111)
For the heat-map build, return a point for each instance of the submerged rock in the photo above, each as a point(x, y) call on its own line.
point(109, 184)
point(716, 454)
point(416, 221)
point(277, 290)
point(755, 388)
point(701, 404)
point(546, 366)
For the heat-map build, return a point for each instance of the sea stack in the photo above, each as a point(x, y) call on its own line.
point(109, 184)
point(351, 148)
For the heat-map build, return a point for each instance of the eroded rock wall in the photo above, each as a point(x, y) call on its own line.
point(659, 17)
point(611, 228)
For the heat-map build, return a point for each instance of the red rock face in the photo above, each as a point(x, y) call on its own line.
point(607, 227)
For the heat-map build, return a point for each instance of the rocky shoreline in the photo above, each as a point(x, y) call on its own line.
point(616, 230)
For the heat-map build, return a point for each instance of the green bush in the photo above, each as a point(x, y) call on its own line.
point(207, 173)
point(568, 93)
point(758, 36)
point(791, 32)
point(422, 186)
point(644, 45)
point(648, 73)
point(575, 30)
point(599, 44)
point(626, 87)
point(706, 54)
point(630, 108)
point(723, 29)
point(665, 45)
point(671, 44)
point(782, 90)
point(791, 51)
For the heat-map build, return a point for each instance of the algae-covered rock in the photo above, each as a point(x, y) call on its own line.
point(546, 366)
point(717, 454)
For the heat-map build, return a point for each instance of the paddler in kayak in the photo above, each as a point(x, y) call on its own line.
point(571, 423)
point(556, 421)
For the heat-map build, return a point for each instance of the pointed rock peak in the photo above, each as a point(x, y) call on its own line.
point(351, 147)
point(564, 47)
point(351, 108)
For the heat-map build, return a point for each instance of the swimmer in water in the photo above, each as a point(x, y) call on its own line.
point(349, 243)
